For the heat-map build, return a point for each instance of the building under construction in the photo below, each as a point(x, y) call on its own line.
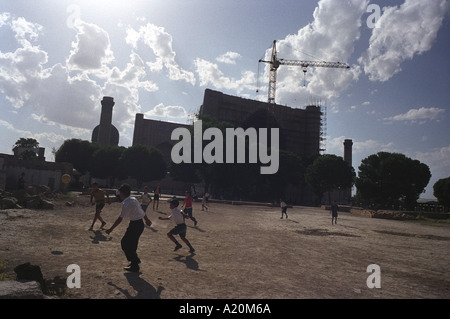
point(301, 130)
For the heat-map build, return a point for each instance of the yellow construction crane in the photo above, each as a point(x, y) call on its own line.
point(276, 62)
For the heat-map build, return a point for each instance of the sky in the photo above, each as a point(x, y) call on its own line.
point(59, 58)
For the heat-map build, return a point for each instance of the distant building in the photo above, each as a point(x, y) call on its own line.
point(300, 129)
point(40, 151)
point(37, 172)
point(106, 134)
point(342, 196)
point(155, 134)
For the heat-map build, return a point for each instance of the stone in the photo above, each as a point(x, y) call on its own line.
point(30, 272)
point(8, 203)
point(11, 289)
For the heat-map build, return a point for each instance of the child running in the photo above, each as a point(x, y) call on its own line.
point(187, 205)
point(99, 196)
point(180, 229)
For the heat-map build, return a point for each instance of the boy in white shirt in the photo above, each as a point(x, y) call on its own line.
point(180, 229)
point(145, 199)
point(131, 209)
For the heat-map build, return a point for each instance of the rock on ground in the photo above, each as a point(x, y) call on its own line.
point(12, 289)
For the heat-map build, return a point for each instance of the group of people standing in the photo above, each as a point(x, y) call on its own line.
point(146, 198)
point(135, 209)
point(334, 211)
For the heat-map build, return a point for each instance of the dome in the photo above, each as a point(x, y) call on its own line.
point(113, 137)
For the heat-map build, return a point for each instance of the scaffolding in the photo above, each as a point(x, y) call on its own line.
point(323, 128)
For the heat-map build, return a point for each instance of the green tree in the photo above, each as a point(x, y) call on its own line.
point(329, 172)
point(441, 189)
point(143, 163)
point(214, 176)
point(240, 180)
point(28, 146)
point(291, 171)
point(390, 179)
point(106, 162)
point(78, 152)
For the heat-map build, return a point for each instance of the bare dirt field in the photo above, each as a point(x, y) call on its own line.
point(242, 252)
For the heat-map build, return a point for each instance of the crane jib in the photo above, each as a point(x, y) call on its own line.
point(275, 63)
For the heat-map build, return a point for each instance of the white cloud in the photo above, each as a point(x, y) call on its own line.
point(51, 92)
point(59, 92)
point(160, 42)
point(401, 33)
point(331, 36)
point(41, 137)
point(360, 148)
point(210, 74)
point(422, 115)
point(25, 82)
point(92, 49)
point(370, 147)
point(132, 74)
point(24, 31)
point(229, 57)
point(335, 145)
point(438, 158)
point(169, 111)
point(4, 18)
point(438, 161)
point(20, 69)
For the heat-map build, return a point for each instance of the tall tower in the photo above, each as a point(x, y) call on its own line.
point(105, 133)
point(348, 158)
point(348, 151)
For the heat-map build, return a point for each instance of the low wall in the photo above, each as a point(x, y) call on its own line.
point(398, 215)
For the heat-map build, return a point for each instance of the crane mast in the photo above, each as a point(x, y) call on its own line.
point(275, 63)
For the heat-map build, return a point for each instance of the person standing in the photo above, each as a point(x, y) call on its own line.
point(99, 196)
point(180, 229)
point(22, 181)
point(145, 199)
point(132, 210)
point(156, 194)
point(187, 205)
point(205, 201)
point(334, 212)
point(283, 208)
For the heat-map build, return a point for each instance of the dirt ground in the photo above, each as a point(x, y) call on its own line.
point(242, 252)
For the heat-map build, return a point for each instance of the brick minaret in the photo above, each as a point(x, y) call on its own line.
point(104, 131)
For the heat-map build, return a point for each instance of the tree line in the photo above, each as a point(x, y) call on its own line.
point(113, 162)
point(384, 180)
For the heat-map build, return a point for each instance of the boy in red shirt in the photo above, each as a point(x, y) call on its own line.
point(188, 207)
